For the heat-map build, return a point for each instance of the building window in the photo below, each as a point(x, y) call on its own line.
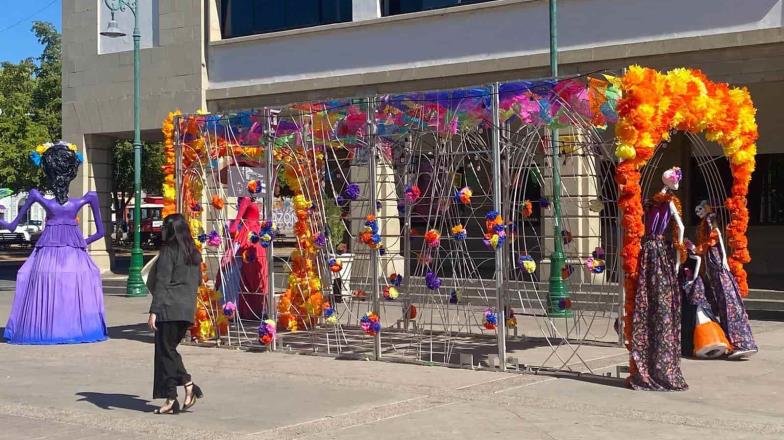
point(250, 17)
point(396, 7)
point(766, 191)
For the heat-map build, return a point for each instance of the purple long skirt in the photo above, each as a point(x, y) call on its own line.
point(59, 299)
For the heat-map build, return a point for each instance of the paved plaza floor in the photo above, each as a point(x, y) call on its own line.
point(103, 391)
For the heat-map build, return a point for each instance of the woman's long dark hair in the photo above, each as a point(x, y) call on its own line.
point(60, 166)
point(177, 233)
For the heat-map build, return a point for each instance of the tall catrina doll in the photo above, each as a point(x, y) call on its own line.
point(722, 288)
point(701, 335)
point(656, 323)
point(59, 296)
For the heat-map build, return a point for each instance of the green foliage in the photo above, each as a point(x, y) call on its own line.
point(334, 217)
point(152, 161)
point(31, 110)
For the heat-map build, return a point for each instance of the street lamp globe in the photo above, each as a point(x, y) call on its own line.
point(113, 30)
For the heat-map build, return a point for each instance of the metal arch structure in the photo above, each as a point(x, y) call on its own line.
point(506, 164)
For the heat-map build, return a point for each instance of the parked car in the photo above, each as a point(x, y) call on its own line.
point(24, 235)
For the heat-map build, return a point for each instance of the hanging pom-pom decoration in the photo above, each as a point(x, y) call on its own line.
point(411, 312)
point(433, 238)
point(334, 265)
point(432, 281)
point(567, 271)
point(565, 304)
point(370, 324)
point(527, 209)
point(490, 321)
point(464, 196)
point(213, 240)
point(217, 202)
point(455, 297)
point(267, 332)
point(391, 293)
point(396, 279)
point(230, 310)
point(567, 236)
point(254, 237)
point(459, 233)
point(511, 319)
point(527, 263)
point(412, 193)
point(330, 316)
point(254, 186)
point(544, 203)
point(351, 192)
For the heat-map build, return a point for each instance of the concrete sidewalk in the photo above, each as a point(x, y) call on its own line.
point(102, 391)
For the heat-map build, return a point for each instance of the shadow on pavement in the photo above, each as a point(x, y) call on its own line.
point(116, 401)
point(133, 332)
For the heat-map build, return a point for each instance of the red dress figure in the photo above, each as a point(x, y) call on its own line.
point(245, 231)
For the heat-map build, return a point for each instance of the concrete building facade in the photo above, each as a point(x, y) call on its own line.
point(224, 55)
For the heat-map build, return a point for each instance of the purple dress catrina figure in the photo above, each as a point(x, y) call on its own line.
point(59, 296)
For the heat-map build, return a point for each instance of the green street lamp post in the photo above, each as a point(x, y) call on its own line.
point(135, 283)
point(558, 292)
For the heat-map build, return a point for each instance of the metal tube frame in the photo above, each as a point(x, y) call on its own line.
point(268, 199)
point(372, 185)
point(499, 250)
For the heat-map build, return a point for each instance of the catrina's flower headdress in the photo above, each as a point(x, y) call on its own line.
point(39, 151)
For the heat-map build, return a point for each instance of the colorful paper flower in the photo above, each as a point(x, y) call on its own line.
point(464, 195)
point(433, 238)
point(267, 331)
point(370, 324)
point(230, 310)
point(527, 263)
point(330, 316)
point(217, 202)
point(527, 209)
point(567, 271)
point(490, 320)
point(432, 281)
point(254, 186)
point(351, 192)
point(459, 233)
point(334, 265)
point(391, 293)
point(412, 193)
point(214, 239)
point(396, 279)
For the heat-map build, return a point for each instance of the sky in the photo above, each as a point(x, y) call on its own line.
point(16, 39)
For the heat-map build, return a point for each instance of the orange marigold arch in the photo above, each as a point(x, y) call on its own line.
point(653, 105)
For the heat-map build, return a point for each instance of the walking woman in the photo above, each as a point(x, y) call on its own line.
point(173, 282)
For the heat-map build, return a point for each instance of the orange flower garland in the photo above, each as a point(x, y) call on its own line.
point(169, 192)
point(655, 103)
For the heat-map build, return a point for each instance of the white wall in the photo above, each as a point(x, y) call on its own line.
point(148, 27)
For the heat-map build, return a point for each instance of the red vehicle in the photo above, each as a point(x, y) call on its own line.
point(151, 221)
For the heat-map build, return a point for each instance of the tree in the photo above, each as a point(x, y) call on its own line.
point(122, 174)
point(30, 110)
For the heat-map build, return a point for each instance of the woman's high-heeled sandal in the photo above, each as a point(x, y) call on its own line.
point(174, 408)
point(195, 394)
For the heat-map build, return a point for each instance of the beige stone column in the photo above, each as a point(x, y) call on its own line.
point(388, 220)
point(95, 174)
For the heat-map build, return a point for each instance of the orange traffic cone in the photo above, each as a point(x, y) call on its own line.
point(709, 339)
